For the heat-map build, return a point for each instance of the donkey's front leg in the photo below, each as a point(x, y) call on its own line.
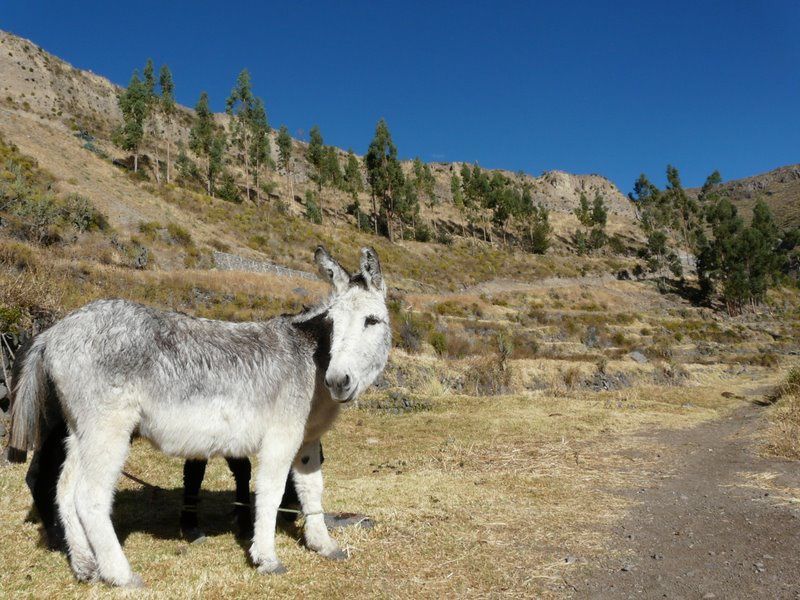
point(274, 462)
point(307, 474)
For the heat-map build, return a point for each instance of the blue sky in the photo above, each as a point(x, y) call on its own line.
point(615, 88)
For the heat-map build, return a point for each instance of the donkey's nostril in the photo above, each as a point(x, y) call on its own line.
point(346, 381)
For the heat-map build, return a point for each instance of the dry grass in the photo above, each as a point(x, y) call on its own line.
point(475, 497)
point(784, 432)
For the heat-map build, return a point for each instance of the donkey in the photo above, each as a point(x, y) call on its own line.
point(198, 388)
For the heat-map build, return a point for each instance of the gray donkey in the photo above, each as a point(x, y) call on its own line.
point(198, 388)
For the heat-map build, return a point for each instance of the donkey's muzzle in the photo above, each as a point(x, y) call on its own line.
point(340, 386)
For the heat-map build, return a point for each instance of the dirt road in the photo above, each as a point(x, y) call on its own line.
point(715, 521)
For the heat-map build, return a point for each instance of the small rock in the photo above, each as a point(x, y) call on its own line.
point(627, 567)
point(638, 357)
point(570, 559)
point(760, 567)
point(709, 595)
point(657, 556)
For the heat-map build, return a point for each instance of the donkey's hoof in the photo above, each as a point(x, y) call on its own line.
point(85, 571)
point(337, 554)
point(272, 568)
point(193, 535)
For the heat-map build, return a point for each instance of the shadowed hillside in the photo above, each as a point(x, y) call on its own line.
point(779, 188)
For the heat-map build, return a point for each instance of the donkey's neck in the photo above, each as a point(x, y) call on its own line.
point(317, 330)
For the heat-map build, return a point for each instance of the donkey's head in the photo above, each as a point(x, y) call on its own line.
point(360, 336)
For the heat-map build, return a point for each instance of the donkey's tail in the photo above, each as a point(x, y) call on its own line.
point(29, 385)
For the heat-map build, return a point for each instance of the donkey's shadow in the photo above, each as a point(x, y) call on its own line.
point(156, 512)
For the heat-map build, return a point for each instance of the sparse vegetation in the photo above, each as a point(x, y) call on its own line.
point(784, 434)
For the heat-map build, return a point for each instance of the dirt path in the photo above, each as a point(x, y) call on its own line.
point(716, 521)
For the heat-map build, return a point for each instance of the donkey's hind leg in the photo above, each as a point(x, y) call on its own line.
point(103, 452)
point(240, 467)
point(307, 474)
point(81, 557)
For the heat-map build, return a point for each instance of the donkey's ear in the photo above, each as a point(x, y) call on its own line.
point(371, 269)
point(331, 271)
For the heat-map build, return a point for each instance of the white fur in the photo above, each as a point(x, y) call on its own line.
point(197, 388)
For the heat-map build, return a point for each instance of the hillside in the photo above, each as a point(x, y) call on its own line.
point(40, 88)
point(779, 188)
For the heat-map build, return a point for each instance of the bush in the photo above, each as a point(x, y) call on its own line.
point(444, 238)
point(451, 308)
point(438, 341)
point(313, 212)
point(228, 190)
point(422, 233)
point(179, 235)
point(82, 215)
point(16, 255)
point(363, 220)
point(617, 244)
point(149, 229)
point(39, 214)
point(488, 376)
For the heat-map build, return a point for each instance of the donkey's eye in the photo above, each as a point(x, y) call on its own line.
point(371, 321)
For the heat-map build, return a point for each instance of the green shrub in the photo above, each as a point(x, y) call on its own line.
point(438, 341)
point(149, 229)
point(39, 214)
point(82, 215)
point(313, 212)
point(228, 190)
point(451, 308)
point(422, 233)
point(179, 235)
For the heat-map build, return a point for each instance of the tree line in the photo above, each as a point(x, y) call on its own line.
point(149, 110)
point(736, 261)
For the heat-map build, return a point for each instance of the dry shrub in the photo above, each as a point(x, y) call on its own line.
point(784, 434)
point(452, 308)
point(16, 255)
point(573, 378)
point(661, 348)
point(670, 373)
point(451, 344)
point(525, 345)
point(488, 376)
point(33, 296)
point(763, 358)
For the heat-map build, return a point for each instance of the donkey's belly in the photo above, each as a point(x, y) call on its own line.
point(205, 430)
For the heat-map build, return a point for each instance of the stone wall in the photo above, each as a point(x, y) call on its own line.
point(233, 262)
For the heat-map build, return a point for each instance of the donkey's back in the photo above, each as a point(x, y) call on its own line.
point(195, 387)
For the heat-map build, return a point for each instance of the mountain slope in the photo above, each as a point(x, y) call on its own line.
point(779, 188)
point(57, 94)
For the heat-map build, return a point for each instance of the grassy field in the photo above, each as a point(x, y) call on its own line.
point(472, 496)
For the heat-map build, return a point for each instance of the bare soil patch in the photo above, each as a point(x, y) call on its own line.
point(716, 520)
